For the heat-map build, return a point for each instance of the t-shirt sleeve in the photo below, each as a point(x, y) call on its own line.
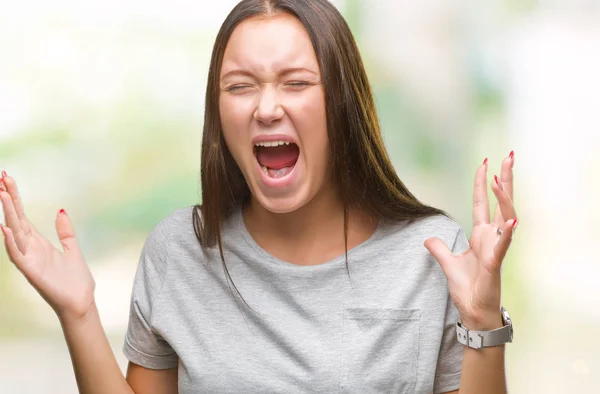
point(449, 364)
point(143, 345)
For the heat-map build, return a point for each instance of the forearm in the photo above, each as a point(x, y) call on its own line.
point(483, 370)
point(96, 368)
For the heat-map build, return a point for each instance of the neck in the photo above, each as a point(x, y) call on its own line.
point(297, 224)
point(312, 234)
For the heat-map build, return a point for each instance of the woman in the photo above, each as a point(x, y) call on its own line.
point(329, 280)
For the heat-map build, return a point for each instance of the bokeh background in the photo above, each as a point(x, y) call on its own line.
point(101, 108)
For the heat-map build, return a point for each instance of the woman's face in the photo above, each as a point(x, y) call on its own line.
point(272, 109)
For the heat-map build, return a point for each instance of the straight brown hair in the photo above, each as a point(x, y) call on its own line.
point(361, 168)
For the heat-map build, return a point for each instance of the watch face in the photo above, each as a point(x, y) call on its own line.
point(508, 322)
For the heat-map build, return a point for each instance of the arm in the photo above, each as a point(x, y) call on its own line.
point(474, 278)
point(95, 366)
point(483, 369)
point(152, 381)
point(63, 279)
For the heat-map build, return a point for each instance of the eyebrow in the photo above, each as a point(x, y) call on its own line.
point(283, 72)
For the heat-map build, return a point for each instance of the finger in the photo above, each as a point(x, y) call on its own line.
point(481, 210)
point(11, 187)
point(2, 186)
point(506, 174)
point(12, 220)
point(440, 251)
point(506, 178)
point(66, 233)
point(504, 241)
point(505, 204)
point(14, 253)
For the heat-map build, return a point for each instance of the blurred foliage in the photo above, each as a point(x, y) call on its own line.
point(16, 319)
point(39, 136)
point(520, 6)
point(144, 148)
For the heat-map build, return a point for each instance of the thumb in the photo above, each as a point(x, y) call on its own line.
point(440, 251)
point(65, 231)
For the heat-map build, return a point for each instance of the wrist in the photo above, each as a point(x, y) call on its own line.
point(485, 321)
point(69, 320)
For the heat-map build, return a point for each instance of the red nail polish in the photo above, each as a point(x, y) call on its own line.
point(514, 224)
point(498, 182)
point(4, 174)
point(61, 211)
point(485, 161)
point(512, 154)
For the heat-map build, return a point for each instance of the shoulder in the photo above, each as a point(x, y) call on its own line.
point(416, 232)
point(178, 219)
point(177, 222)
point(433, 226)
point(166, 234)
point(162, 243)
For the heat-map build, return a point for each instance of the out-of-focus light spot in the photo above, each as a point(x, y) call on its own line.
point(57, 51)
point(15, 109)
point(580, 367)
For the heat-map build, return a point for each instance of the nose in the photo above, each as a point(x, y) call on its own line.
point(269, 109)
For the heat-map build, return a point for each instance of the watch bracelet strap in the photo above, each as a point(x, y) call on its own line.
point(480, 339)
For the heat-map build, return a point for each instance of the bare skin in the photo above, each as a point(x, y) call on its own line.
point(64, 280)
point(474, 279)
point(50, 270)
point(293, 223)
point(270, 80)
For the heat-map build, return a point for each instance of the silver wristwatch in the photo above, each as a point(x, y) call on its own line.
point(481, 339)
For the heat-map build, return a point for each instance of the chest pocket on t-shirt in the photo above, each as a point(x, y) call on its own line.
point(380, 350)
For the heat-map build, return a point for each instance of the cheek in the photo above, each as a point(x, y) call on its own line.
point(235, 118)
point(312, 129)
point(234, 114)
point(308, 113)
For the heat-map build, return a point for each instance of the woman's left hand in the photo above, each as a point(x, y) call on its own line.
point(474, 279)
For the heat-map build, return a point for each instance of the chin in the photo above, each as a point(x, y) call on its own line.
point(284, 203)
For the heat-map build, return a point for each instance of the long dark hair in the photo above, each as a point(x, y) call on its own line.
point(362, 171)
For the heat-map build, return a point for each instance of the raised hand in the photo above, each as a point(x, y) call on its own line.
point(474, 279)
point(63, 279)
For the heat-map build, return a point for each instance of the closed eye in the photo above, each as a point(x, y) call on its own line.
point(297, 85)
point(237, 88)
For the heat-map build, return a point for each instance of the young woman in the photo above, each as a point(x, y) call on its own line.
point(309, 267)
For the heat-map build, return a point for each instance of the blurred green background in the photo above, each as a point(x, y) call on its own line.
point(101, 108)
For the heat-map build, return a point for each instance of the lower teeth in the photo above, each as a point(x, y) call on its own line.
point(280, 173)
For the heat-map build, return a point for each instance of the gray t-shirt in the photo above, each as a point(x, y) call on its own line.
point(389, 330)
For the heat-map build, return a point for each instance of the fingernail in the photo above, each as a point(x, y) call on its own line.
point(485, 161)
point(3, 230)
point(512, 154)
point(515, 221)
point(4, 174)
point(60, 212)
point(498, 182)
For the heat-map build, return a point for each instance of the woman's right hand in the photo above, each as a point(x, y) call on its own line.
point(63, 279)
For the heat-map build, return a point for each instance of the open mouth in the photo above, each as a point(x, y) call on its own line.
point(276, 158)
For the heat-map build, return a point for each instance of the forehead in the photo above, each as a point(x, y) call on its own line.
point(269, 44)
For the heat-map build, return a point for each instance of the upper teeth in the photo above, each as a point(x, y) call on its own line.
point(272, 143)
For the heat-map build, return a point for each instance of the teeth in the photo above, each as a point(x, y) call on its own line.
point(264, 170)
point(272, 143)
